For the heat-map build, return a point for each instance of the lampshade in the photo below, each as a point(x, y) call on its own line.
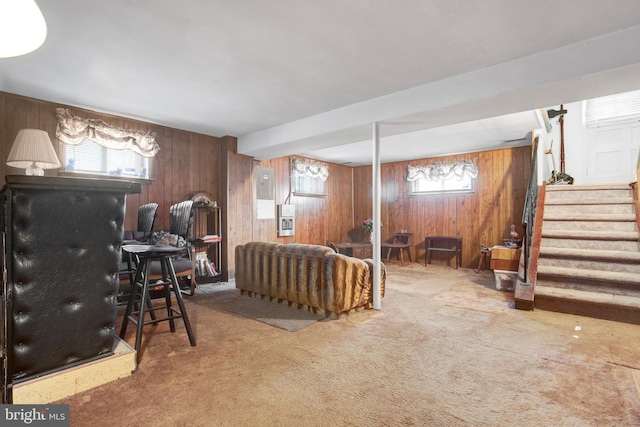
point(32, 150)
point(22, 27)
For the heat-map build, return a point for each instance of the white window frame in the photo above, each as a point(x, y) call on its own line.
point(308, 177)
point(308, 186)
point(423, 186)
point(136, 166)
point(612, 109)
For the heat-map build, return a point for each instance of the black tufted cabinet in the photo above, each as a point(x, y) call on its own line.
point(62, 249)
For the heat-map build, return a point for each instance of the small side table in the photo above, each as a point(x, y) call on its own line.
point(482, 261)
point(505, 258)
point(443, 244)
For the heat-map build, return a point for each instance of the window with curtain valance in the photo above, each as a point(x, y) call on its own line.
point(440, 177)
point(308, 176)
point(93, 146)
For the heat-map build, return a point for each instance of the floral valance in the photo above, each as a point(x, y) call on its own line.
point(73, 130)
point(310, 168)
point(440, 171)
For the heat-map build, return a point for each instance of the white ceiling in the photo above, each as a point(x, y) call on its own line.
point(309, 77)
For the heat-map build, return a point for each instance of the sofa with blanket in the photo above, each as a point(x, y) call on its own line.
point(307, 275)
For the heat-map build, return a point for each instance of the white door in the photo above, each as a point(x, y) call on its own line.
point(612, 153)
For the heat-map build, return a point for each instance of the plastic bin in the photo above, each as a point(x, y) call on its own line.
point(506, 280)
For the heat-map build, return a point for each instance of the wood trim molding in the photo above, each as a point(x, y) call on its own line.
point(537, 237)
point(525, 293)
point(636, 201)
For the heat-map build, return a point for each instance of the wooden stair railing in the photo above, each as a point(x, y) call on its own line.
point(635, 190)
point(524, 293)
point(532, 224)
point(636, 201)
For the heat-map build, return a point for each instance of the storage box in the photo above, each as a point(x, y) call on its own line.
point(503, 258)
point(506, 280)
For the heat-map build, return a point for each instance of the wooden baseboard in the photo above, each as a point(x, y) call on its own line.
point(65, 383)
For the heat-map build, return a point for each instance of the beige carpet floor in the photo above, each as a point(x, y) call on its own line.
point(447, 349)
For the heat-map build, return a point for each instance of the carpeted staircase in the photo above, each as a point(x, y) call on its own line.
point(589, 259)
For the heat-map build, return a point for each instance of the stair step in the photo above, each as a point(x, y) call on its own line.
point(589, 191)
point(609, 265)
point(598, 217)
point(619, 308)
point(590, 235)
point(619, 245)
point(591, 254)
point(624, 301)
point(589, 275)
point(589, 187)
point(617, 288)
point(558, 210)
point(591, 226)
point(590, 201)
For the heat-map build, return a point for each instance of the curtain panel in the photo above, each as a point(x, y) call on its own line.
point(73, 130)
point(310, 168)
point(443, 170)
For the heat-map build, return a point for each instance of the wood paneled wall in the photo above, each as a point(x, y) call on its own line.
point(189, 162)
point(481, 218)
point(318, 219)
point(238, 216)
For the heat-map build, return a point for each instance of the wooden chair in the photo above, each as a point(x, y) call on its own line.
point(401, 242)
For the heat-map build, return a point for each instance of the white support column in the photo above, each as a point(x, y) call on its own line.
point(376, 216)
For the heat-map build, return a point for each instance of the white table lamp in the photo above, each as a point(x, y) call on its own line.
point(32, 150)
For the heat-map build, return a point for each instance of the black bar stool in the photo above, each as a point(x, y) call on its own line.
point(140, 292)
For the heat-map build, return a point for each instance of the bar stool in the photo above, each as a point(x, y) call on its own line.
point(140, 289)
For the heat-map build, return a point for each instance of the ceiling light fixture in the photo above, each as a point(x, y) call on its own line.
point(22, 27)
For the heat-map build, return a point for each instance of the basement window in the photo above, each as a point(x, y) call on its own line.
point(92, 146)
point(306, 185)
point(443, 177)
point(622, 107)
point(426, 186)
point(92, 158)
point(308, 177)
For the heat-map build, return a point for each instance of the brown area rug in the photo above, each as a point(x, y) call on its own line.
point(279, 315)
